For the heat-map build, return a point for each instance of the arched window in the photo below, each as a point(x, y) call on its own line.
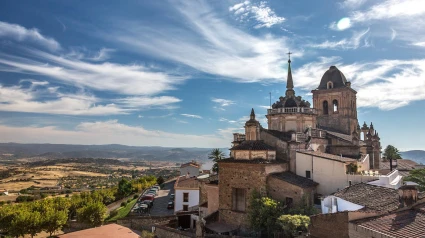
point(335, 104)
point(330, 85)
point(325, 107)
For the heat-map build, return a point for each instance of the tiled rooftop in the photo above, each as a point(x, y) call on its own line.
point(295, 179)
point(402, 164)
point(106, 231)
point(372, 197)
point(328, 156)
point(340, 135)
point(407, 224)
point(253, 145)
point(184, 182)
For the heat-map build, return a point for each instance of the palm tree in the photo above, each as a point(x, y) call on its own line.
point(417, 176)
point(391, 153)
point(216, 155)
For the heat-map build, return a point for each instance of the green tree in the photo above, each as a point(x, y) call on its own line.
point(216, 155)
point(93, 213)
point(263, 214)
point(7, 214)
point(124, 188)
point(160, 180)
point(293, 223)
point(391, 153)
point(417, 176)
point(53, 220)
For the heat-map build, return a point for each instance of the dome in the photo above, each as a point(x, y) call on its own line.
point(334, 76)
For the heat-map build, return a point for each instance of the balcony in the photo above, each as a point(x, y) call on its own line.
point(304, 110)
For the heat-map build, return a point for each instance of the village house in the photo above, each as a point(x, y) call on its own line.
point(186, 193)
point(192, 168)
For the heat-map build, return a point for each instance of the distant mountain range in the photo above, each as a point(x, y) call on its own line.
point(416, 155)
point(149, 153)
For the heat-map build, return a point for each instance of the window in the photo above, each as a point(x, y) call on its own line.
point(330, 85)
point(288, 201)
point(185, 207)
point(307, 174)
point(335, 104)
point(185, 197)
point(325, 107)
point(238, 195)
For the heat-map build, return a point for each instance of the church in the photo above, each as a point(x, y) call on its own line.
point(265, 159)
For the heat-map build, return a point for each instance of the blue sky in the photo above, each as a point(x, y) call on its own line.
point(187, 73)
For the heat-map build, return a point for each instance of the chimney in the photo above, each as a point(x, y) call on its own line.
point(188, 175)
point(407, 195)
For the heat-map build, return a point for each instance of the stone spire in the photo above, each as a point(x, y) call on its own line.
point(252, 116)
point(289, 81)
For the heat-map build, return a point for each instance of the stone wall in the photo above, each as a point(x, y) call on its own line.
point(281, 146)
point(251, 177)
point(203, 195)
point(329, 225)
point(166, 232)
point(280, 190)
point(212, 191)
point(345, 150)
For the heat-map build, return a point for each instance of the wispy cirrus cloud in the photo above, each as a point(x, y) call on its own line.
point(191, 115)
point(20, 33)
point(102, 55)
point(223, 102)
point(358, 39)
point(261, 13)
point(19, 99)
point(206, 42)
point(124, 79)
point(143, 102)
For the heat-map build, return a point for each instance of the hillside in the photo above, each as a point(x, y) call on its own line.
point(58, 151)
point(416, 155)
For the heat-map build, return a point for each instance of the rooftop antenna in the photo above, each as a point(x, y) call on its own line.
point(270, 93)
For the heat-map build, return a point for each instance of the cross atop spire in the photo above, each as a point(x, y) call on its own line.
point(289, 81)
point(289, 56)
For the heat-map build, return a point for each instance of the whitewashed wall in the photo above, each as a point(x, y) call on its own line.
point(178, 198)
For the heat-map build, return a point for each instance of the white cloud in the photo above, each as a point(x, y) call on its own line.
point(102, 55)
point(112, 132)
point(223, 102)
point(390, 9)
point(421, 44)
point(124, 79)
point(352, 43)
point(20, 33)
point(140, 116)
point(148, 102)
point(191, 115)
point(18, 99)
point(207, 43)
point(393, 34)
point(385, 84)
point(261, 13)
point(352, 4)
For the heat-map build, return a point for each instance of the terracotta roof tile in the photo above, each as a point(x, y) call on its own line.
point(106, 231)
point(295, 179)
point(372, 197)
point(183, 182)
point(253, 145)
point(409, 223)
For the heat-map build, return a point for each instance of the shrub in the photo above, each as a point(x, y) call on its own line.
point(135, 196)
point(24, 199)
point(2, 203)
point(147, 234)
point(123, 204)
point(67, 196)
point(129, 200)
point(68, 191)
point(113, 213)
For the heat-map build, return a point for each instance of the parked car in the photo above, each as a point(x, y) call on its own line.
point(148, 197)
point(148, 203)
point(157, 187)
point(172, 196)
point(170, 205)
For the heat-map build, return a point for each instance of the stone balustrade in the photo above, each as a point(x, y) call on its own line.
point(305, 110)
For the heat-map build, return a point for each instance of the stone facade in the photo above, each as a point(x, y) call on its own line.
point(252, 177)
point(281, 190)
point(291, 121)
point(213, 197)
